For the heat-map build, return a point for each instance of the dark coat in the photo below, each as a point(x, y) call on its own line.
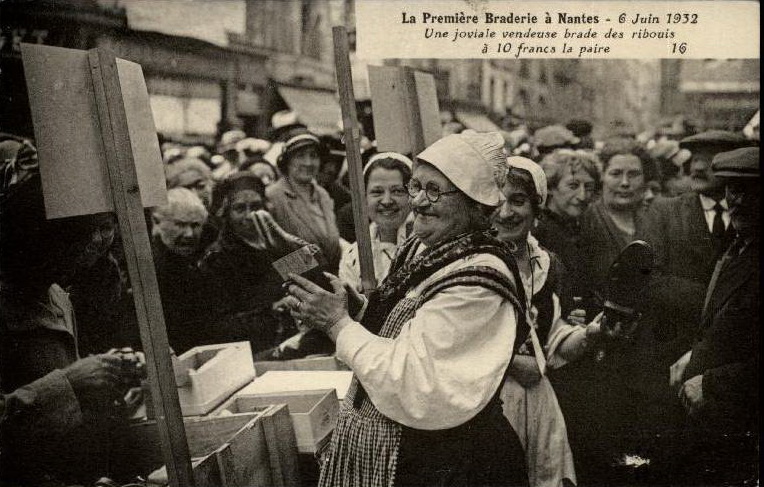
point(242, 287)
point(562, 236)
point(686, 253)
point(727, 351)
point(677, 229)
point(727, 356)
point(185, 300)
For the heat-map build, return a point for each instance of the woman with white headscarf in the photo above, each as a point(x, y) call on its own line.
point(530, 403)
point(437, 337)
point(386, 177)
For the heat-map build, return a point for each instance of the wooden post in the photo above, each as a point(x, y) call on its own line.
point(123, 180)
point(415, 116)
point(353, 151)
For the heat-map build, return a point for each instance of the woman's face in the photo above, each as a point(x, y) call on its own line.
point(387, 199)
point(98, 243)
point(573, 193)
point(623, 183)
point(243, 203)
point(448, 217)
point(514, 219)
point(303, 165)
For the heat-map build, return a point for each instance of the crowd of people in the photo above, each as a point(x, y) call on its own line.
point(482, 358)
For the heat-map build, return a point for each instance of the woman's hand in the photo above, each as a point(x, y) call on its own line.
point(316, 307)
point(525, 370)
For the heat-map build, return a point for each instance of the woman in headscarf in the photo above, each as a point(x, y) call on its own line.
point(386, 178)
point(437, 337)
point(244, 287)
point(237, 268)
point(530, 403)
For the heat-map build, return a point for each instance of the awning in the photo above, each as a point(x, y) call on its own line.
point(319, 110)
point(476, 121)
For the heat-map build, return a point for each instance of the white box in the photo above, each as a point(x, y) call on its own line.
point(300, 380)
point(210, 374)
point(313, 413)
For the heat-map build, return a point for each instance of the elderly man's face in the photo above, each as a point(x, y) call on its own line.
point(702, 179)
point(181, 230)
point(448, 217)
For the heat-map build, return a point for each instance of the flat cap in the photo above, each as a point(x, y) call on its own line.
point(719, 138)
point(739, 163)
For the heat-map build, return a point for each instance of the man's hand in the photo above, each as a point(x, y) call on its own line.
point(96, 380)
point(691, 395)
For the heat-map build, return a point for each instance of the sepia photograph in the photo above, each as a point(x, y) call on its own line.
point(305, 243)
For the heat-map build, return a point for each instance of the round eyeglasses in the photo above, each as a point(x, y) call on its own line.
point(431, 190)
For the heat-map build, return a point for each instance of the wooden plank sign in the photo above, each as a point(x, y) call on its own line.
point(405, 109)
point(99, 152)
point(68, 133)
point(429, 110)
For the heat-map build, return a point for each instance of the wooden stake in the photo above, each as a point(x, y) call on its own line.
point(353, 151)
point(123, 180)
point(415, 116)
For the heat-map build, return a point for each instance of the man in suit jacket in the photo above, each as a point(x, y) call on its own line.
point(689, 234)
point(718, 379)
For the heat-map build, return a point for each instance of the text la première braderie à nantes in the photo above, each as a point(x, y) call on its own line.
point(528, 18)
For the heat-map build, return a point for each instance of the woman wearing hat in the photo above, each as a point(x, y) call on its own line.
point(244, 287)
point(436, 339)
point(298, 203)
point(530, 403)
point(386, 178)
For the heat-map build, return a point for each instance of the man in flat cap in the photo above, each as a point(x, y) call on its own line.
point(689, 233)
point(718, 380)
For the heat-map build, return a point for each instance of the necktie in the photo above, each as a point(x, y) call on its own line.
point(717, 229)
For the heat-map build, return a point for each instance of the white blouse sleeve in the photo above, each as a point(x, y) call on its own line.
point(446, 364)
point(559, 331)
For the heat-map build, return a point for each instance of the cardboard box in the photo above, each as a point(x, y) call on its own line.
point(277, 381)
point(313, 363)
point(313, 413)
point(208, 375)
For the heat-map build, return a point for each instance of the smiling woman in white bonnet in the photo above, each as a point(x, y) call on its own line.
point(430, 352)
